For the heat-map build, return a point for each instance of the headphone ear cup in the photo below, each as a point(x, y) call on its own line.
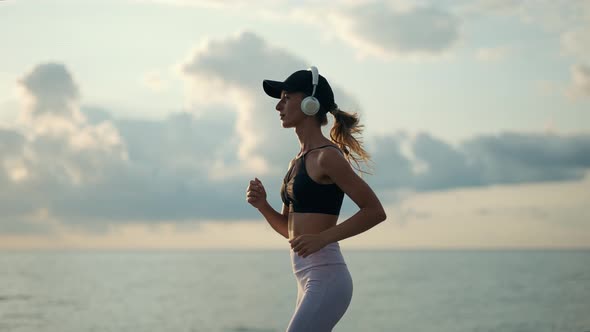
point(310, 105)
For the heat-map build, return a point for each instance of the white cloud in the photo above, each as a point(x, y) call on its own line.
point(59, 141)
point(386, 31)
point(231, 71)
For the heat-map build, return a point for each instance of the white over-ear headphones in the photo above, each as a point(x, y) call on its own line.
point(310, 105)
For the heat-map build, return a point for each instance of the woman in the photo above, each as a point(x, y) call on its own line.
point(312, 194)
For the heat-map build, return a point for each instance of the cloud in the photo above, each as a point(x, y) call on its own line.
point(84, 167)
point(49, 90)
point(230, 71)
point(12, 143)
point(520, 158)
point(382, 30)
point(580, 86)
point(52, 150)
point(426, 164)
point(60, 143)
point(166, 175)
point(507, 158)
point(541, 215)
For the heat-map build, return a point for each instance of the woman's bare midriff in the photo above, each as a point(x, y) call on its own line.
point(310, 223)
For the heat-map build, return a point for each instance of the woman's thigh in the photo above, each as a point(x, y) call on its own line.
point(324, 295)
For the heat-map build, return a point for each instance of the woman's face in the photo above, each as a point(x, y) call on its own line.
point(289, 108)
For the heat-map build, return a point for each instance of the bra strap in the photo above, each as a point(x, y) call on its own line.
point(320, 147)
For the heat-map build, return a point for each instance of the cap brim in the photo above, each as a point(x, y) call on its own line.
point(273, 88)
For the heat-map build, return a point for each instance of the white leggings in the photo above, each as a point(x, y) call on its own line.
point(324, 290)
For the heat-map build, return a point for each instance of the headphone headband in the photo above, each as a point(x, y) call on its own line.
point(310, 105)
point(315, 78)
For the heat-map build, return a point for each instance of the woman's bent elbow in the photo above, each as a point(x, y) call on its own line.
point(380, 215)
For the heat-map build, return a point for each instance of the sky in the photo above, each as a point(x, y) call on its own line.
point(133, 124)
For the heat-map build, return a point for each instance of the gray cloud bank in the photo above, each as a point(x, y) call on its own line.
point(507, 158)
point(84, 166)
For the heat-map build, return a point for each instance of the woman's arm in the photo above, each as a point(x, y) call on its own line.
point(256, 196)
point(334, 165)
point(278, 221)
point(371, 212)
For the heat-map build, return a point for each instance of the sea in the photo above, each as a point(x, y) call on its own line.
point(255, 291)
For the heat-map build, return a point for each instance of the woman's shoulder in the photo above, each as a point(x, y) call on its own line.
point(331, 156)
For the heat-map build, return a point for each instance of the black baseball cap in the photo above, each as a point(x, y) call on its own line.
point(301, 81)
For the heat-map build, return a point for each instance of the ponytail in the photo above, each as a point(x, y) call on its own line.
point(346, 133)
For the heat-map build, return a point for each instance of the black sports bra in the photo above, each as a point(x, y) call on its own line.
point(302, 194)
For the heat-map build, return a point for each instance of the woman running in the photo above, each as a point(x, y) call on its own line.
point(312, 194)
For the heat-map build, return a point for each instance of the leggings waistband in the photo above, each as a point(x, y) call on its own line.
point(328, 255)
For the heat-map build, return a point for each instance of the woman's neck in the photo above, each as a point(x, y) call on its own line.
point(310, 137)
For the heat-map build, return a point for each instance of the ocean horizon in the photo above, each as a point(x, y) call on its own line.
point(242, 290)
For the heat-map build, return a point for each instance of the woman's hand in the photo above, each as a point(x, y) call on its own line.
point(255, 194)
point(306, 244)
